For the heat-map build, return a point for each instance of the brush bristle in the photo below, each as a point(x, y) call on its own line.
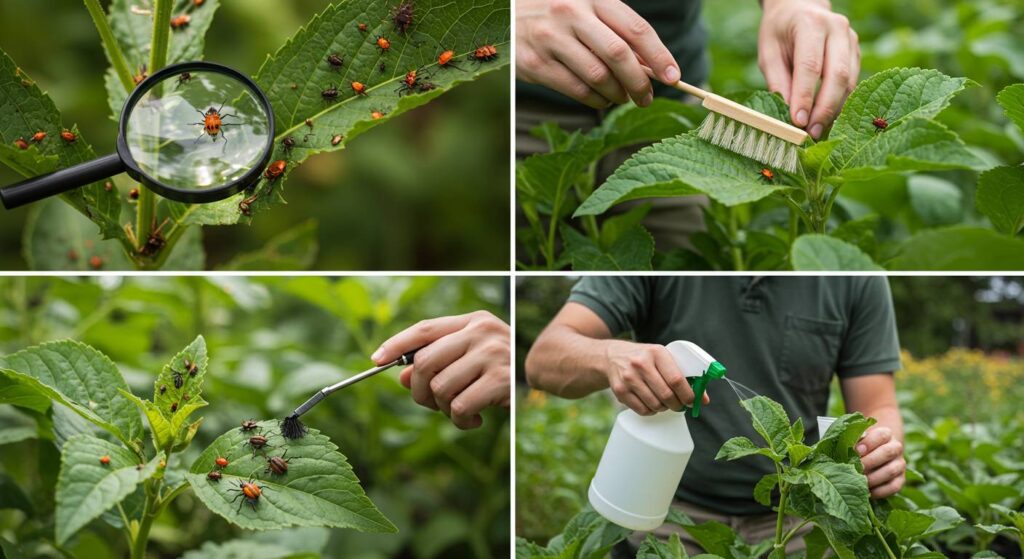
point(293, 428)
point(748, 142)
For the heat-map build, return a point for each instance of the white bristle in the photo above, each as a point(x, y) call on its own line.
point(748, 142)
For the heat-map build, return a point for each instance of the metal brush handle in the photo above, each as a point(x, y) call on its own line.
point(406, 359)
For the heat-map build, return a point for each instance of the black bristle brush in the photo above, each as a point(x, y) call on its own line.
point(293, 428)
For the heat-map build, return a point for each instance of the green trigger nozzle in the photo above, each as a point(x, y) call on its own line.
point(700, 384)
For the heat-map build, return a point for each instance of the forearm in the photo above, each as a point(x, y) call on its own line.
point(567, 363)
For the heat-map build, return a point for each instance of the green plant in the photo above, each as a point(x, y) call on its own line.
point(798, 221)
point(135, 483)
point(292, 77)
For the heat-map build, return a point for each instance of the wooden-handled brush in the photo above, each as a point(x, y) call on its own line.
point(745, 131)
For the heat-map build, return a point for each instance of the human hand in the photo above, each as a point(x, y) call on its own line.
point(587, 50)
point(800, 42)
point(646, 378)
point(463, 366)
point(882, 457)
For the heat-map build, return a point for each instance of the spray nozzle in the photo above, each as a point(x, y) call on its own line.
point(700, 384)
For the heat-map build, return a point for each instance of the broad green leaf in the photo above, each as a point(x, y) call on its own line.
point(1012, 100)
point(896, 95)
point(714, 537)
point(815, 159)
point(177, 404)
point(1016, 517)
point(763, 489)
point(681, 166)
point(915, 145)
point(653, 548)
point(769, 420)
point(824, 253)
point(908, 525)
point(613, 227)
point(548, 177)
point(25, 110)
point(294, 249)
point(741, 447)
point(81, 378)
point(298, 72)
point(56, 237)
point(959, 248)
point(998, 529)
point(13, 497)
point(1000, 196)
point(133, 29)
point(633, 250)
point(840, 489)
point(628, 124)
point(86, 487)
point(159, 426)
point(817, 544)
point(936, 201)
point(838, 441)
point(18, 394)
point(797, 453)
point(16, 434)
point(319, 488)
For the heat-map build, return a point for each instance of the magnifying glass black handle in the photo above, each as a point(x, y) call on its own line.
point(38, 188)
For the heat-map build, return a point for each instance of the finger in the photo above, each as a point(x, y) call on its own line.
point(835, 80)
point(466, 407)
point(808, 49)
point(416, 336)
point(886, 473)
point(873, 439)
point(618, 56)
point(855, 66)
point(882, 455)
point(405, 377)
point(637, 384)
point(774, 67)
point(634, 403)
point(450, 382)
point(889, 489)
point(430, 361)
point(590, 69)
point(673, 379)
point(564, 81)
point(661, 390)
point(641, 37)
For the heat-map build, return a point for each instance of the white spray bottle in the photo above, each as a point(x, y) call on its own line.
point(646, 455)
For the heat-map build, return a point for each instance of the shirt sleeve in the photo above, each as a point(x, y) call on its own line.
point(620, 301)
point(871, 345)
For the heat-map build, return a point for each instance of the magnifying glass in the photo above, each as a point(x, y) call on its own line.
point(194, 132)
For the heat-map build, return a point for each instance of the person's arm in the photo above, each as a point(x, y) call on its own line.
point(587, 50)
point(574, 356)
point(799, 43)
point(463, 366)
point(881, 449)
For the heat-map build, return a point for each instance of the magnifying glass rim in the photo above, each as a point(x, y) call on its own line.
point(194, 196)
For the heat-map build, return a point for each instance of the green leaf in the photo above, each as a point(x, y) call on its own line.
point(959, 248)
point(159, 426)
point(815, 159)
point(714, 537)
point(629, 124)
point(770, 421)
point(741, 447)
point(908, 525)
point(56, 237)
point(817, 544)
point(821, 252)
point(797, 453)
point(936, 201)
point(25, 110)
point(764, 487)
point(188, 398)
point(1000, 196)
point(296, 543)
point(1012, 100)
point(653, 548)
point(319, 488)
point(548, 177)
point(837, 442)
point(633, 250)
point(915, 145)
point(681, 166)
point(86, 487)
point(458, 25)
point(81, 378)
point(294, 249)
point(839, 489)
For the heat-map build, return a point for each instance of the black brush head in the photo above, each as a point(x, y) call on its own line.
point(293, 428)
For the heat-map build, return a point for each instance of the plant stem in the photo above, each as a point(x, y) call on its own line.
point(552, 228)
point(142, 537)
point(782, 507)
point(110, 44)
point(874, 525)
point(789, 535)
point(737, 255)
point(794, 225)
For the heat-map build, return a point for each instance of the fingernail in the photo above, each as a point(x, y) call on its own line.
point(377, 354)
point(861, 449)
point(647, 99)
point(672, 74)
point(816, 131)
point(801, 118)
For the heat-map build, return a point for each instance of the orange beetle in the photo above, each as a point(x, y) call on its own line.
point(336, 139)
point(198, 3)
point(767, 174)
point(181, 21)
point(359, 88)
point(212, 122)
point(446, 59)
point(221, 462)
point(96, 262)
point(38, 136)
point(105, 460)
point(377, 115)
point(485, 53)
point(137, 78)
point(68, 136)
point(362, 27)
point(251, 491)
point(133, 194)
point(383, 44)
point(275, 170)
point(21, 143)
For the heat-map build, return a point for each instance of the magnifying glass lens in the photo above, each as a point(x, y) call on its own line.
point(197, 130)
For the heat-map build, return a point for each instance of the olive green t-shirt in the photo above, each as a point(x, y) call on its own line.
point(783, 337)
point(679, 26)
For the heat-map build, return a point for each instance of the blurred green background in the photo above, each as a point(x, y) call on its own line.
point(428, 191)
point(272, 342)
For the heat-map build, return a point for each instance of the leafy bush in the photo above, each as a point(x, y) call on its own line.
point(292, 77)
point(746, 223)
point(273, 342)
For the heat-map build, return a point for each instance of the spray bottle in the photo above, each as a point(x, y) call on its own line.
point(646, 455)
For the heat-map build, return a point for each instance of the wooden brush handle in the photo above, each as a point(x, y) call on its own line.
point(680, 85)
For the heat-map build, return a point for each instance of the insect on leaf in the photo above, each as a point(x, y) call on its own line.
point(318, 489)
point(86, 487)
point(169, 397)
